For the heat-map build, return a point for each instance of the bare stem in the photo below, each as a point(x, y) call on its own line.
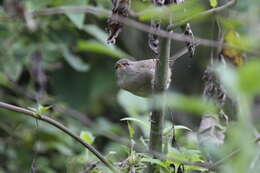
point(62, 128)
point(157, 117)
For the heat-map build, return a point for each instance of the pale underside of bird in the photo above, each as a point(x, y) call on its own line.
point(137, 77)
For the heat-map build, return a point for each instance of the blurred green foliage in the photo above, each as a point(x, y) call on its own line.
point(80, 87)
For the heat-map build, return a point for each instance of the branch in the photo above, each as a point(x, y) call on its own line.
point(205, 13)
point(141, 26)
point(224, 159)
point(159, 155)
point(82, 118)
point(180, 37)
point(124, 141)
point(76, 9)
point(138, 25)
point(179, 54)
point(231, 154)
point(62, 128)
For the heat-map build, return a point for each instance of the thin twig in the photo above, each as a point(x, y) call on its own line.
point(141, 26)
point(122, 140)
point(138, 25)
point(181, 37)
point(179, 54)
point(76, 9)
point(62, 128)
point(228, 156)
point(225, 158)
point(204, 13)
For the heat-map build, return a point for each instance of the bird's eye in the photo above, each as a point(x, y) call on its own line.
point(121, 65)
point(117, 66)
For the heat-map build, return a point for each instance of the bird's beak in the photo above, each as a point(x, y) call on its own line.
point(119, 66)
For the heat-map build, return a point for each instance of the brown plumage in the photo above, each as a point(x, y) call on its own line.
point(137, 77)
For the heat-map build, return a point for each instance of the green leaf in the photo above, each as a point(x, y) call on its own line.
point(141, 122)
point(154, 161)
point(64, 149)
point(98, 33)
point(180, 127)
point(176, 11)
point(131, 130)
point(75, 17)
point(232, 37)
point(189, 155)
point(168, 128)
point(74, 60)
point(103, 124)
point(229, 78)
point(42, 109)
point(12, 68)
point(133, 105)
point(94, 46)
point(36, 5)
point(193, 104)
point(87, 137)
point(213, 3)
point(3, 80)
point(230, 23)
point(39, 109)
point(102, 36)
point(249, 73)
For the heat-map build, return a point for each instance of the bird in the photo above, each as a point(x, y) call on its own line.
point(211, 137)
point(137, 77)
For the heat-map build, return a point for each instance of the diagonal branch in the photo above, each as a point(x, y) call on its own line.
point(122, 140)
point(204, 13)
point(62, 128)
point(76, 9)
point(144, 27)
point(179, 54)
point(138, 25)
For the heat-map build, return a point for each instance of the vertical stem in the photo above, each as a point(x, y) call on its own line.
point(157, 117)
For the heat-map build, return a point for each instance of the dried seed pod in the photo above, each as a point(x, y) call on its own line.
point(213, 89)
point(186, 28)
point(153, 40)
point(120, 9)
point(190, 44)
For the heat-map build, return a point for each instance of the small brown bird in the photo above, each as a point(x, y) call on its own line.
point(137, 77)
